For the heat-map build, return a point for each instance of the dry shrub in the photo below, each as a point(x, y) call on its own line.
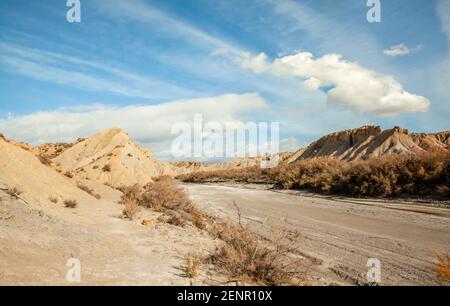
point(131, 209)
point(253, 174)
point(246, 258)
point(163, 195)
point(68, 174)
point(106, 168)
point(89, 191)
point(442, 269)
point(192, 263)
point(425, 174)
point(70, 204)
point(44, 160)
point(54, 200)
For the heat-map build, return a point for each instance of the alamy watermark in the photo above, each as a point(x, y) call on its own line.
point(74, 273)
point(74, 13)
point(215, 140)
point(374, 272)
point(374, 13)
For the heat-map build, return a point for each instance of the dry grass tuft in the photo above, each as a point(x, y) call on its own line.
point(442, 269)
point(192, 263)
point(131, 209)
point(106, 168)
point(70, 204)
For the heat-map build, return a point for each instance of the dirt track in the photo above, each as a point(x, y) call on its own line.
point(342, 235)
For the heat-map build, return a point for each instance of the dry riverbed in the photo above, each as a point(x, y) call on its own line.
point(340, 234)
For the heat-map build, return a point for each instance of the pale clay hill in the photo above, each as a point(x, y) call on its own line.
point(111, 158)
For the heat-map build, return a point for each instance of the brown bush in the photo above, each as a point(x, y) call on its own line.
point(44, 160)
point(106, 168)
point(68, 174)
point(426, 174)
point(70, 204)
point(245, 258)
point(163, 195)
point(131, 209)
point(442, 269)
point(248, 175)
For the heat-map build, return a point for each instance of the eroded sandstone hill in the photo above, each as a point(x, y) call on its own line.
point(111, 158)
point(370, 141)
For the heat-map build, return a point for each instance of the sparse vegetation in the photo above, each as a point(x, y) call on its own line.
point(388, 176)
point(44, 160)
point(131, 209)
point(106, 168)
point(246, 258)
point(54, 200)
point(192, 263)
point(442, 269)
point(89, 191)
point(68, 174)
point(163, 195)
point(70, 204)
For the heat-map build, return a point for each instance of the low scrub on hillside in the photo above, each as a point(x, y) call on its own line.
point(388, 176)
point(89, 191)
point(163, 195)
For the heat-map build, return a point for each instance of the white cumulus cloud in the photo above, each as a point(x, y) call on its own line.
point(347, 84)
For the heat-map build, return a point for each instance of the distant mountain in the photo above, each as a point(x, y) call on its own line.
point(370, 141)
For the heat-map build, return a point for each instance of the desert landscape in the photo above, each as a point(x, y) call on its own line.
point(131, 219)
point(226, 150)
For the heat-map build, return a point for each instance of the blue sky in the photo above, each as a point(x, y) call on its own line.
point(61, 80)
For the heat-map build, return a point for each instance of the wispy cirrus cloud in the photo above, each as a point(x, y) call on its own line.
point(88, 75)
point(401, 50)
point(141, 11)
